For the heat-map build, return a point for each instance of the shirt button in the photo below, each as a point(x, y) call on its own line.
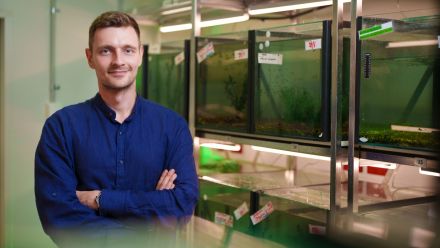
point(120, 133)
point(121, 161)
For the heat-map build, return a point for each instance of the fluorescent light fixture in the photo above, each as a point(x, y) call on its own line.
point(389, 166)
point(415, 43)
point(234, 148)
point(204, 24)
point(173, 28)
point(175, 11)
point(429, 173)
point(284, 152)
point(223, 21)
point(292, 7)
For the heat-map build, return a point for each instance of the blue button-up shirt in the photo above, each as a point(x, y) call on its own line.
point(83, 147)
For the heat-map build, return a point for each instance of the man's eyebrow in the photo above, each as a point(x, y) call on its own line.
point(105, 46)
point(129, 46)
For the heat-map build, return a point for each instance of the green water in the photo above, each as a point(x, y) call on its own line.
point(287, 225)
point(166, 82)
point(221, 97)
point(400, 91)
point(288, 96)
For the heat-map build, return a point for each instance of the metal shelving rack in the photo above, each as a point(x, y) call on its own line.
point(334, 148)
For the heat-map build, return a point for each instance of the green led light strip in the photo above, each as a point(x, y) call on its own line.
point(376, 30)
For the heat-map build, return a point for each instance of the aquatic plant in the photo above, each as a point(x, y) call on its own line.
point(236, 92)
point(298, 105)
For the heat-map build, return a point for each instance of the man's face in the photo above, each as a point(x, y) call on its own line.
point(116, 55)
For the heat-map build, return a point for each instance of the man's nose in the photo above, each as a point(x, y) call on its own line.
point(118, 58)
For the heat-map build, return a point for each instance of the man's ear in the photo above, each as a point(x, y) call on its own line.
point(141, 52)
point(89, 58)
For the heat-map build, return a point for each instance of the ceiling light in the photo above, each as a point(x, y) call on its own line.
point(429, 173)
point(204, 24)
point(223, 21)
point(284, 152)
point(226, 147)
point(414, 43)
point(173, 28)
point(305, 5)
point(175, 11)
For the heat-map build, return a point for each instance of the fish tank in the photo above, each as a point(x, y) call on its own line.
point(400, 85)
point(164, 77)
point(222, 82)
point(292, 88)
point(289, 221)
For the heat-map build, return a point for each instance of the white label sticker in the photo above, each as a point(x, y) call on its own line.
point(205, 52)
point(240, 54)
point(270, 58)
point(154, 48)
point(262, 214)
point(438, 37)
point(179, 58)
point(224, 219)
point(240, 211)
point(313, 44)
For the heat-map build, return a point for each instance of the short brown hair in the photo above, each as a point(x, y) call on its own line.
point(112, 19)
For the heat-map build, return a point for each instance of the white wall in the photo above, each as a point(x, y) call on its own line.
point(76, 80)
point(26, 84)
point(26, 93)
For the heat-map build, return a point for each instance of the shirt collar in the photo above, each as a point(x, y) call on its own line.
point(110, 113)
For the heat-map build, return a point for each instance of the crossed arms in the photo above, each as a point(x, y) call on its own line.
point(62, 206)
point(89, 198)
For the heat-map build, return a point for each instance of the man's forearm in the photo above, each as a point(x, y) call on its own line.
point(90, 198)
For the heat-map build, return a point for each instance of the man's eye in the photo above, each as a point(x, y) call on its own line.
point(129, 50)
point(104, 51)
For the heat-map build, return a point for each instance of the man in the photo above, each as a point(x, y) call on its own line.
point(115, 160)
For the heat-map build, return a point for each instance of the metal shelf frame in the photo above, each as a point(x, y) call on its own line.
point(333, 148)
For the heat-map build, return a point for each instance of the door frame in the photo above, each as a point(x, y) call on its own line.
point(2, 130)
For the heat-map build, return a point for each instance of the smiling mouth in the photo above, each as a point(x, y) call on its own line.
point(118, 73)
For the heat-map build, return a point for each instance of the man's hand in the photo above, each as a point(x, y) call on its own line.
point(166, 180)
point(88, 198)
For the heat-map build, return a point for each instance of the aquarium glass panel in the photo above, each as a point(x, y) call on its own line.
point(222, 83)
point(288, 90)
point(167, 77)
point(399, 90)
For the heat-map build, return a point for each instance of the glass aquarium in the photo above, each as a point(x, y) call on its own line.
point(399, 85)
point(167, 76)
point(293, 81)
point(222, 82)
